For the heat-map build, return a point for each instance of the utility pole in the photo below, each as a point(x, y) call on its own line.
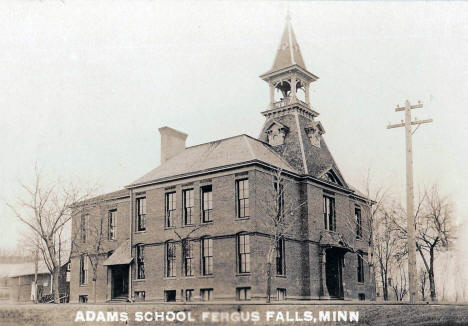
point(409, 189)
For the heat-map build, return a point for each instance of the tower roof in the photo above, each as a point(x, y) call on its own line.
point(288, 53)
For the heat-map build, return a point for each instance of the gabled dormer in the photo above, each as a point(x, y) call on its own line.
point(314, 133)
point(276, 132)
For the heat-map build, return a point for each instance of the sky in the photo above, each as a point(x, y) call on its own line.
point(85, 85)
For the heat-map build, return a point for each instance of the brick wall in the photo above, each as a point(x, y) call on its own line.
point(302, 279)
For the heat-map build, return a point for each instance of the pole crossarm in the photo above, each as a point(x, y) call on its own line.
point(416, 122)
point(402, 108)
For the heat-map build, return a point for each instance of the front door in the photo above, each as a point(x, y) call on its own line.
point(334, 273)
point(119, 280)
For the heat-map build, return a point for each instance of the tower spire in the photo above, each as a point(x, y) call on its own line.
point(288, 53)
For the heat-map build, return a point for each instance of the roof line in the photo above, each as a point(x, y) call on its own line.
point(290, 42)
point(218, 140)
point(201, 172)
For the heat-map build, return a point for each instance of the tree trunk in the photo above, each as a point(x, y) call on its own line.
point(36, 268)
point(56, 275)
point(268, 299)
point(431, 276)
point(94, 289)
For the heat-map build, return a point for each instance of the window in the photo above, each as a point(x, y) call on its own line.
point(84, 227)
point(140, 295)
point(140, 256)
point(206, 294)
point(357, 216)
point(188, 206)
point(141, 214)
point(243, 198)
point(243, 294)
point(329, 213)
point(207, 256)
point(83, 270)
point(170, 259)
point(170, 295)
point(207, 204)
point(170, 208)
point(360, 269)
point(112, 223)
point(281, 294)
point(362, 296)
point(188, 295)
point(188, 257)
point(67, 274)
point(280, 262)
point(243, 251)
point(83, 299)
point(279, 193)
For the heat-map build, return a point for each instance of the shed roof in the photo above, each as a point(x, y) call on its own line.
point(121, 255)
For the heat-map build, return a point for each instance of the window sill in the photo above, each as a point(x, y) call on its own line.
point(170, 277)
point(140, 279)
point(242, 274)
point(169, 227)
point(206, 276)
point(207, 223)
point(282, 276)
point(142, 231)
point(83, 285)
point(242, 218)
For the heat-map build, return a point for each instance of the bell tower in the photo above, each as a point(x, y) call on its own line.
point(291, 128)
point(289, 79)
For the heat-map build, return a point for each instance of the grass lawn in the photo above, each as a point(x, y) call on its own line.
point(232, 314)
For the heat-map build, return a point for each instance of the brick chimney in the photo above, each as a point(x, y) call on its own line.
point(172, 142)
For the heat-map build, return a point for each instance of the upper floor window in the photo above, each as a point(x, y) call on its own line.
point(170, 259)
point(170, 208)
point(360, 268)
point(140, 257)
point(141, 214)
point(188, 206)
point(83, 270)
point(207, 203)
point(243, 198)
point(188, 257)
point(358, 218)
point(329, 213)
point(280, 261)
point(207, 256)
point(243, 251)
point(84, 227)
point(111, 235)
point(279, 200)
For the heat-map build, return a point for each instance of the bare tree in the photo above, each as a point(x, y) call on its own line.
point(186, 248)
point(399, 284)
point(46, 211)
point(423, 283)
point(433, 230)
point(280, 207)
point(89, 241)
point(374, 229)
point(386, 247)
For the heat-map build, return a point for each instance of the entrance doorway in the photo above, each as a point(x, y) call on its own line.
point(119, 281)
point(334, 272)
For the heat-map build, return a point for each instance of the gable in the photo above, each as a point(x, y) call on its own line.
point(332, 177)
